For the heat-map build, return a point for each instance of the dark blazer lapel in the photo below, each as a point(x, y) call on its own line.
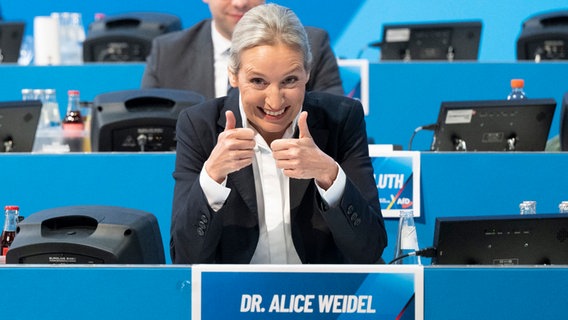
point(243, 180)
point(320, 136)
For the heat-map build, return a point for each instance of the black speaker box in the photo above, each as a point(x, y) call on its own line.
point(126, 37)
point(544, 37)
point(138, 120)
point(88, 235)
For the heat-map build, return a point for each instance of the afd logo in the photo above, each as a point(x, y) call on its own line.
point(403, 202)
point(390, 181)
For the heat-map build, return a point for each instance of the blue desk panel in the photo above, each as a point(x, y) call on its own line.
point(402, 96)
point(164, 292)
point(453, 184)
point(495, 293)
point(139, 181)
point(95, 292)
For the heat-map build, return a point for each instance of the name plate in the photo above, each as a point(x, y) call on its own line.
point(307, 292)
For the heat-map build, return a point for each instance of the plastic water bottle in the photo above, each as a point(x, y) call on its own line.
point(527, 207)
point(28, 94)
point(51, 108)
point(517, 90)
point(407, 239)
point(48, 134)
point(77, 37)
point(71, 36)
point(563, 207)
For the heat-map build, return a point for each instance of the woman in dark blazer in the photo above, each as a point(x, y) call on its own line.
point(270, 173)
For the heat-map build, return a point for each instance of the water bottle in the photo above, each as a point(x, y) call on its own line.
point(51, 108)
point(71, 36)
point(517, 90)
point(407, 239)
point(77, 37)
point(28, 94)
point(48, 134)
point(527, 207)
point(563, 207)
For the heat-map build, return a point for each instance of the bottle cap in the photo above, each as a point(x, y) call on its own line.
point(73, 92)
point(517, 83)
point(11, 208)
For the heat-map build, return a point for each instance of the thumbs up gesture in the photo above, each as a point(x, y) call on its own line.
point(302, 159)
point(233, 151)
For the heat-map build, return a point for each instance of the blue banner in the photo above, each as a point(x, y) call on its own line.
point(397, 175)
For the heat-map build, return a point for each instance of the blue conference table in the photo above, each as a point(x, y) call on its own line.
point(164, 292)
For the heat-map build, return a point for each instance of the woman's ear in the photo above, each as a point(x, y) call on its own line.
point(233, 79)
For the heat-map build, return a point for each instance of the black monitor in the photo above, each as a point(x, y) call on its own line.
point(11, 35)
point(564, 124)
point(494, 125)
point(431, 41)
point(536, 239)
point(18, 125)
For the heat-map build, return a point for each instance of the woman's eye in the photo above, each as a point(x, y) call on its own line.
point(258, 82)
point(290, 81)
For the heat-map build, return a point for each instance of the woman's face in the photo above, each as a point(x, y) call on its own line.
point(272, 82)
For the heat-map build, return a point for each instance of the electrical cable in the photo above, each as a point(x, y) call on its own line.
point(428, 252)
point(432, 126)
point(375, 44)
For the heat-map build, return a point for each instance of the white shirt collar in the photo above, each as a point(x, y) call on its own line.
point(220, 43)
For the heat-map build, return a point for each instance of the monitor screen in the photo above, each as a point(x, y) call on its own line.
point(11, 35)
point(431, 41)
point(534, 239)
point(493, 125)
point(18, 125)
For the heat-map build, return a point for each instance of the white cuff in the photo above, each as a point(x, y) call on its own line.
point(215, 193)
point(333, 195)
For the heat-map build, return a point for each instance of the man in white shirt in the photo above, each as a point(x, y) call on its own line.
point(194, 59)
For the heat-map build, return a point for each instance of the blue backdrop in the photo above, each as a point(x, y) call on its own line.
point(351, 24)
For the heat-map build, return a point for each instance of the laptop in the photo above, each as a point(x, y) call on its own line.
point(493, 125)
point(18, 125)
point(536, 239)
point(11, 35)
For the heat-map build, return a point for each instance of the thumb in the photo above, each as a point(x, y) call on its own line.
point(231, 121)
point(303, 125)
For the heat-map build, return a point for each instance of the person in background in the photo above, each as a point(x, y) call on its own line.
point(196, 58)
point(271, 173)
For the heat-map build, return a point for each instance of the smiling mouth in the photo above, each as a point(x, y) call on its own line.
point(274, 113)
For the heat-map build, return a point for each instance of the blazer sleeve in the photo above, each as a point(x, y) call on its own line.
point(356, 223)
point(150, 77)
point(194, 231)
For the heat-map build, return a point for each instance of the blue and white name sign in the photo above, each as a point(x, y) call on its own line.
point(307, 292)
point(397, 174)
